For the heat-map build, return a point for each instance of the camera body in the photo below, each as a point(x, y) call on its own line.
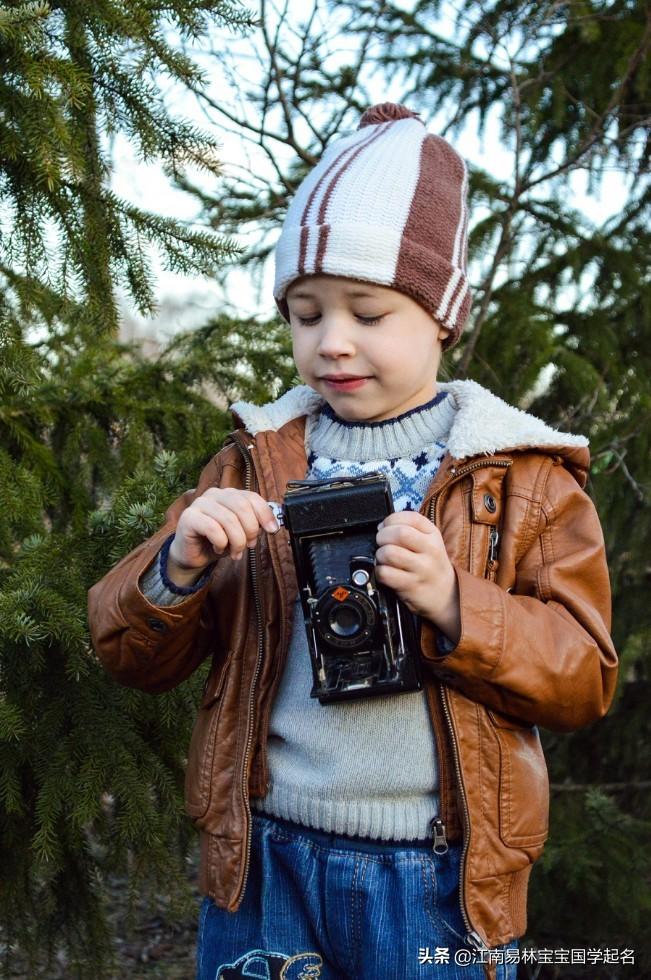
point(362, 638)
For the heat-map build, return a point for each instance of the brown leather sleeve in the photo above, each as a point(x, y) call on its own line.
point(542, 652)
point(140, 644)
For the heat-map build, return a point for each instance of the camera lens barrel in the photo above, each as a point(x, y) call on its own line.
point(346, 618)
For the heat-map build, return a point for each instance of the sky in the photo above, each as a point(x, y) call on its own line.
point(184, 301)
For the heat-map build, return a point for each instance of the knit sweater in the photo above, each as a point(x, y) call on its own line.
point(366, 767)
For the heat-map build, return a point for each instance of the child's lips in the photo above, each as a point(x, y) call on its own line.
point(344, 382)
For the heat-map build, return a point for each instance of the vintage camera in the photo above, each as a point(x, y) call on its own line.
point(362, 638)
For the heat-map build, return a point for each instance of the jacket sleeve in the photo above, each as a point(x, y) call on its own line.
point(143, 645)
point(541, 652)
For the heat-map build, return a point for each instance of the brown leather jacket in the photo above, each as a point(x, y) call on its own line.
point(535, 650)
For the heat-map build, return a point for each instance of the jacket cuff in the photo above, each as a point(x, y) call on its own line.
point(482, 630)
point(158, 587)
point(180, 590)
point(148, 621)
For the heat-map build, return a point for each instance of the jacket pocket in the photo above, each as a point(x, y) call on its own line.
point(198, 772)
point(524, 784)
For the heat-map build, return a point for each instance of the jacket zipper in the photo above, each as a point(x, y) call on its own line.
point(492, 550)
point(493, 540)
point(440, 842)
point(472, 938)
point(249, 731)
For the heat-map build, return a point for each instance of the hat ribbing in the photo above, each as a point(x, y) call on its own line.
point(386, 204)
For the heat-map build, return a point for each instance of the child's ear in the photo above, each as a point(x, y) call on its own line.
point(443, 332)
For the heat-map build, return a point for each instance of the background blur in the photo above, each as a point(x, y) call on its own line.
point(147, 154)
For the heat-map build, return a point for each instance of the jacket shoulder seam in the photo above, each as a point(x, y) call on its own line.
point(534, 515)
point(548, 513)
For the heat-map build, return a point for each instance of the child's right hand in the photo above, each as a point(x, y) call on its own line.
point(216, 521)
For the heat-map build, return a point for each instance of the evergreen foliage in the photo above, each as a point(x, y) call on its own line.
point(95, 442)
point(91, 774)
point(75, 75)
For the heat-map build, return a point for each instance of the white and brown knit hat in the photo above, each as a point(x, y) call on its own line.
point(387, 205)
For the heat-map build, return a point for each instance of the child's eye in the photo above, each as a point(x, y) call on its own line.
point(308, 321)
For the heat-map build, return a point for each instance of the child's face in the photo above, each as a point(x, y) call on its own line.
point(381, 337)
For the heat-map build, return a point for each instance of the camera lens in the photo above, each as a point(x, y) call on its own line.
point(345, 620)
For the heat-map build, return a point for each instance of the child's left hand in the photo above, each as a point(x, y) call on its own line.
point(411, 559)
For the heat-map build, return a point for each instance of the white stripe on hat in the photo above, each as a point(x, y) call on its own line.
point(364, 252)
point(341, 150)
point(360, 193)
point(342, 158)
point(447, 295)
point(457, 303)
point(457, 252)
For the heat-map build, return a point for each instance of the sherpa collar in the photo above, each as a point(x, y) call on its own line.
point(483, 423)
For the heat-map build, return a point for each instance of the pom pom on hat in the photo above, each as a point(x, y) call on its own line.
point(385, 112)
point(387, 204)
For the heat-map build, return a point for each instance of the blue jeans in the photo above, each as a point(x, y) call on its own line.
point(320, 905)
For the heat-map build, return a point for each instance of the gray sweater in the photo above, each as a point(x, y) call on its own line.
point(367, 767)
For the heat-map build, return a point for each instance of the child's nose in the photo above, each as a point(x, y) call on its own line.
point(334, 338)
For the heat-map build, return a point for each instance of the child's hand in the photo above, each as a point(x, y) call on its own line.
point(411, 559)
point(216, 521)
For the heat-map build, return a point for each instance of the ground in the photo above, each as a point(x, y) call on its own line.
point(158, 945)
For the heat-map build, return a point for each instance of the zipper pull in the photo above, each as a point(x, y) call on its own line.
point(492, 551)
point(440, 845)
point(474, 940)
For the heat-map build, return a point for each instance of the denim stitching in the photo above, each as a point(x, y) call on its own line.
point(202, 931)
point(430, 889)
point(356, 915)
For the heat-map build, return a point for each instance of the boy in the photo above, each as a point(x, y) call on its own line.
point(379, 837)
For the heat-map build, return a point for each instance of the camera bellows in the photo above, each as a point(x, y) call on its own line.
point(330, 558)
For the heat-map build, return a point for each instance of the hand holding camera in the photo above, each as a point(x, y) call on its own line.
point(411, 559)
point(217, 521)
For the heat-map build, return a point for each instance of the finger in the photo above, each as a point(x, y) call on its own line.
point(408, 517)
point(229, 522)
point(202, 524)
point(264, 513)
point(254, 512)
point(237, 502)
point(405, 535)
point(392, 577)
point(396, 557)
point(244, 509)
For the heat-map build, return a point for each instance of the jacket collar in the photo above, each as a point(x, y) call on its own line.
point(484, 424)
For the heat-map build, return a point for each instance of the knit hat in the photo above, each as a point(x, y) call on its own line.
point(387, 205)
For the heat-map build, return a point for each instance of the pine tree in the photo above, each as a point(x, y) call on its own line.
point(561, 325)
point(95, 442)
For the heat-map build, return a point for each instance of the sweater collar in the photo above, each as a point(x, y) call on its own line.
point(329, 435)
